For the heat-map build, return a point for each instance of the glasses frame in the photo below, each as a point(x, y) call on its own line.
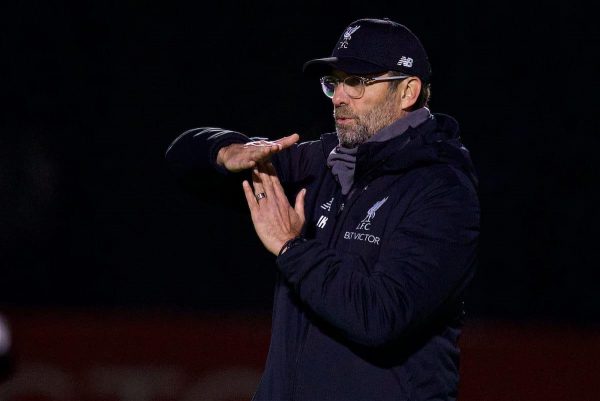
point(364, 82)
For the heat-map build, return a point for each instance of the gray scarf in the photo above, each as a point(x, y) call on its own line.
point(342, 161)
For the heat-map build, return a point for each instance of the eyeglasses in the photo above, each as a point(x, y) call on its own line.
point(353, 85)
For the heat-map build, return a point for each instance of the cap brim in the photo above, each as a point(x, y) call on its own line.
point(322, 66)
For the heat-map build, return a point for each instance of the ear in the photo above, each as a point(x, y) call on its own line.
point(410, 92)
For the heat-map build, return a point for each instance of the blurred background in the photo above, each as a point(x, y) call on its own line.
point(120, 283)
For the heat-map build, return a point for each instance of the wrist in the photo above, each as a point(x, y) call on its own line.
point(292, 242)
point(221, 156)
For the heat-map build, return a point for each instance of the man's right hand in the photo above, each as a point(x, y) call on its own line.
point(237, 157)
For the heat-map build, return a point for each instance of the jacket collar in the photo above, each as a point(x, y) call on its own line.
point(436, 140)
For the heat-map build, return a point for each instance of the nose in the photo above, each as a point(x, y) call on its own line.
point(339, 95)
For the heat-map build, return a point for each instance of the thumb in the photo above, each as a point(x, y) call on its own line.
point(299, 205)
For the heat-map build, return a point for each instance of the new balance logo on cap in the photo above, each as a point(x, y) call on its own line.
point(405, 61)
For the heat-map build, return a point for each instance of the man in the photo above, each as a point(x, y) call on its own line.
point(375, 254)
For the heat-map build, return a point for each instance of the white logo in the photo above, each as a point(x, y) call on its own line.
point(327, 206)
point(362, 237)
point(365, 223)
point(405, 61)
point(347, 36)
point(322, 221)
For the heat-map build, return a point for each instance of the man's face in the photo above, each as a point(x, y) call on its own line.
point(356, 120)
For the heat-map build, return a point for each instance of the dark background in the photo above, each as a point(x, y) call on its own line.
point(93, 94)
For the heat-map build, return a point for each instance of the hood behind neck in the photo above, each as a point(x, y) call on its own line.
point(342, 161)
point(436, 141)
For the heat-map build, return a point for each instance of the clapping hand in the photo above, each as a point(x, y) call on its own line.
point(237, 157)
point(274, 219)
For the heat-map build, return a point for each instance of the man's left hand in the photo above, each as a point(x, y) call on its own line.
point(274, 219)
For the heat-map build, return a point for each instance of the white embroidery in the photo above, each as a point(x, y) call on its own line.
point(365, 223)
point(347, 36)
point(327, 206)
point(405, 61)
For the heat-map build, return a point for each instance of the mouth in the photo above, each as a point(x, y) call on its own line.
point(343, 116)
point(343, 120)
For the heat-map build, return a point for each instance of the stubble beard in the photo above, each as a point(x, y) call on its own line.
point(366, 125)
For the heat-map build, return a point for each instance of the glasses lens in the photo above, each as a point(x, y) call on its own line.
point(354, 86)
point(328, 85)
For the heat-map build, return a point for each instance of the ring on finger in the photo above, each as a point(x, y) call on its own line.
point(260, 196)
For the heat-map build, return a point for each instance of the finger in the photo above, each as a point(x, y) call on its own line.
point(257, 182)
point(270, 169)
point(276, 184)
point(274, 148)
point(287, 141)
point(260, 154)
point(264, 179)
point(250, 198)
point(244, 164)
point(261, 150)
point(299, 204)
point(258, 144)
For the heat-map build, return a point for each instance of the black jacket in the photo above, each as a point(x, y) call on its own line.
point(370, 307)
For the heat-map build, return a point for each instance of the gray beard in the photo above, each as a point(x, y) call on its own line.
point(366, 125)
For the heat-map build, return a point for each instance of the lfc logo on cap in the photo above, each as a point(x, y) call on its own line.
point(347, 36)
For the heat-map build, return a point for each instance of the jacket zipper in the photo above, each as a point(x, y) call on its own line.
point(345, 205)
point(306, 331)
point(297, 363)
point(349, 200)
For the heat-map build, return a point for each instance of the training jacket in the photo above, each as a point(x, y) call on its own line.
point(369, 307)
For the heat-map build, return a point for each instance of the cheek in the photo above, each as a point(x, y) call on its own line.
point(371, 99)
point(363, 108)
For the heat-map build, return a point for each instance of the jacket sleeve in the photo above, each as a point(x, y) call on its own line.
point(191, 160)
point(426, 261)
point(193, 155)
point(195, 150)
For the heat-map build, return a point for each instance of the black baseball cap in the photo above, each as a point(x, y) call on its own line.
point(370, 46)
